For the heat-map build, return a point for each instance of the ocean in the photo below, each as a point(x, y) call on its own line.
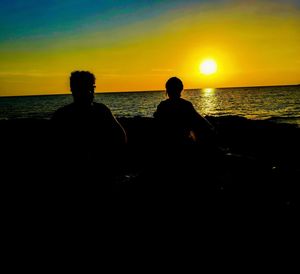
point(278, 103)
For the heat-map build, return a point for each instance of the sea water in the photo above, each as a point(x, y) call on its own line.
point(281, 104)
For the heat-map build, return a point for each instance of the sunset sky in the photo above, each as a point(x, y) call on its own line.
point(137, 45)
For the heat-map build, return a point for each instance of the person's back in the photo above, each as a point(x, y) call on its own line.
point(187, 153)
point(181, 122)
point(95, 121)
point(84, 117)
point(176, 115)
point(87, 134)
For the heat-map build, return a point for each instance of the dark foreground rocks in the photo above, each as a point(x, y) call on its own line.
point(257, 168)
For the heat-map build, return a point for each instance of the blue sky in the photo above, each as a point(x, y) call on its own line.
point(19, 19)
point(136, 45)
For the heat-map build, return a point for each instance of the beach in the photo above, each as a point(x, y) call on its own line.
point(256, 169)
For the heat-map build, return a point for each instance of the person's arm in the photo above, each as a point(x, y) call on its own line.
point(118, 132)
point(206, 124)
point(203, 129)
point(156, 114)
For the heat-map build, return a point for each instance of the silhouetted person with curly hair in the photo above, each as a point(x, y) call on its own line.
point(88, 116)
point(90, 139)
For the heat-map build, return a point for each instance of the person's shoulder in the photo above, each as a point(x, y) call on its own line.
point(184, 101)
point(164, 105)
point(101, 106)
point(97, 104)
point(102, 109)
point(165, 102)
point(63, 110)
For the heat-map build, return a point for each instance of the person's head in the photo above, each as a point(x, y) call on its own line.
point(82, 84)
point(174, 87)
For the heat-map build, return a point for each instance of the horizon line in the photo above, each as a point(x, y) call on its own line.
point(158, 90)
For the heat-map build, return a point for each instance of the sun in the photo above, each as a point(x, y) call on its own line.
point(208, 67)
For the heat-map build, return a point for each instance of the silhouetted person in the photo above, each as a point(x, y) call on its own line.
point(89, 138)
point(180, 121)
point(87, 116)
point(186, 144)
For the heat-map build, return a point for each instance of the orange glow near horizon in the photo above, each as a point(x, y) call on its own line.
point(253, 45)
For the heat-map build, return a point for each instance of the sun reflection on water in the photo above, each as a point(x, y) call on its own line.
point(207, 102)
point(208, 91)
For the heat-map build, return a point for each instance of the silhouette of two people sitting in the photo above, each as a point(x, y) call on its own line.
point(93, 134)
point(178, 119)
point(182, 123)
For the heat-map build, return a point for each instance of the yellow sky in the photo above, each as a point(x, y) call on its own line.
point(256, 44)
